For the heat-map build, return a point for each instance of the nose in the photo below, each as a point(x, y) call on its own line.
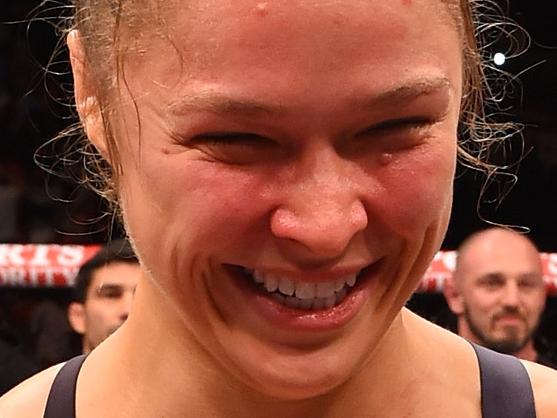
point(126, 304)
point(321, 211)
point(511, 295)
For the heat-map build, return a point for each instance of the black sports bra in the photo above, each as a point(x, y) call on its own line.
point(506, 388)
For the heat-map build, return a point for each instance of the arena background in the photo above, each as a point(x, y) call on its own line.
point(37, 207)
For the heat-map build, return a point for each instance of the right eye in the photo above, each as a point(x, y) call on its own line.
point(492, 282)
point(110, 292)
point(239, 148)
point(229, 138)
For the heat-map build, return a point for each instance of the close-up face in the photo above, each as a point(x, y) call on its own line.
point(108, 301)
point(287, 175)
point(503, 294)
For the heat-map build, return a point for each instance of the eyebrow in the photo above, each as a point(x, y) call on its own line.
point(219, 103)
point(111, 286)
point(491, 276)
point(531, 276)
point(222, 104)
point(406, 92)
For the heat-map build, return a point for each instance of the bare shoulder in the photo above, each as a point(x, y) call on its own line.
point(28, 399)
point(544, 385)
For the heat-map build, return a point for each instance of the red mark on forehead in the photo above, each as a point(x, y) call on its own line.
point(407, 2)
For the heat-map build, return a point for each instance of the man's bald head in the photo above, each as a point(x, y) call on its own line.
point(497, 249)
point(497, 290)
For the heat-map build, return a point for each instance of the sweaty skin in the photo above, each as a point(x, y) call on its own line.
point(312, 142)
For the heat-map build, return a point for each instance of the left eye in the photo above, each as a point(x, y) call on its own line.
point(394, 135)
point(395, 125)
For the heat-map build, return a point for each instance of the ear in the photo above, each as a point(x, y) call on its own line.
point(453, 296)
point(86, 98)
point(76, 317)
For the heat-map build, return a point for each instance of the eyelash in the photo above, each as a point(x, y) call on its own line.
point(401, 124)
point(229, 138)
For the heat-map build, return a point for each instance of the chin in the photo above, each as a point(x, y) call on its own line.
point(295, 376)
point(295, 385)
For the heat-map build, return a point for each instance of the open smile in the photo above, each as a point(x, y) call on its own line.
point(304, 304)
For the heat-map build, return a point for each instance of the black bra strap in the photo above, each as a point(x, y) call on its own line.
point(61, 399)
point(506, 388)
point(505, 385)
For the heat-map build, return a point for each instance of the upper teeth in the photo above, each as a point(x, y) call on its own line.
point(302, 290)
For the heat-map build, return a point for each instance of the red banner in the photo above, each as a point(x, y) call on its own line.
point(48, 265)
point(36, 265)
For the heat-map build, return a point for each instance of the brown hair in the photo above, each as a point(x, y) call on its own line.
point(102, 23)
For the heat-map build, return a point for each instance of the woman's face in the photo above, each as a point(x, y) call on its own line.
point(308, 145)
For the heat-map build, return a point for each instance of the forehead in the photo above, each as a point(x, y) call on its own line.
point(503, 253)
point(209, 39)
point(243, 18)
point(210, 14)
point(116, 273)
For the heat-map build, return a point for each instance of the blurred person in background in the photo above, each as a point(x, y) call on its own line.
point(497, 292)
point(103, 294)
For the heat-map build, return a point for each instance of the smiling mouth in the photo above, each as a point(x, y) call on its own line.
point(303, 295)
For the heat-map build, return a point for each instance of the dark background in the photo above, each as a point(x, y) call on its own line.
point(532, 101)
point(38, 207)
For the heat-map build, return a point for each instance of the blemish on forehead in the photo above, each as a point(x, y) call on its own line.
point(262, 9)
point(407, 2)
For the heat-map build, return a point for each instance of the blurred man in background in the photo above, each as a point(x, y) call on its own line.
point(497, 292)
point(104, 291)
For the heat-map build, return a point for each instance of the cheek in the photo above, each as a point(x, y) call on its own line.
point(96, 318)
point(417, 189)
point(195, 205)
point(536, 305)
point(484, 304)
